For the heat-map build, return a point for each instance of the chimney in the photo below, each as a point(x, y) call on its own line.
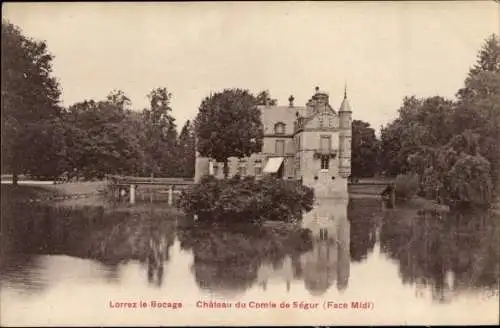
point(290, 100)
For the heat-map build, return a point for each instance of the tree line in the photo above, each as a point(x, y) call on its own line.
point(92, 138)
point(88, 139)
point(451, 145)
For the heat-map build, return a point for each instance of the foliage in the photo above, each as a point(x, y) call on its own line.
point(455, 173)
point(30, 104)
point(478, 107)
point(100, 139)
point(160, 140)
point(247, 200)
point(229, 124)
point(470, 181)
point(452, 146)
point(421, 123)
point(406, 186)
point(364, 150)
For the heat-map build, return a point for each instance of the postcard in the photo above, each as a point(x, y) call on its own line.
point(250, 163)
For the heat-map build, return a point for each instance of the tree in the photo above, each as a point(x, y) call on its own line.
point(229, 124)
point(119, 98)
point(488, 57)
point(101, 138)
point(187, 150)
point(364, 149)
point(421, 123)
point(478, 108)
point(264, 98)
point(30, 104)
point(161, 135)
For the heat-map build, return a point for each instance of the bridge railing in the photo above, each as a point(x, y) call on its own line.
point(148, 180)
point(131, 183)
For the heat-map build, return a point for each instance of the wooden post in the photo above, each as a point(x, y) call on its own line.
point(170, 195)
point(132, 194)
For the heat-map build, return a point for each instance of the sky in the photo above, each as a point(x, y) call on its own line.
point(383, 51)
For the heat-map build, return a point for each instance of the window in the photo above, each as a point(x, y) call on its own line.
point(258, 167)
point(279, 128)
point(323, 234)
point(325, 143)
point(242, 168)
point(325, 162)
point(297, 167)
point(216, 169)
point(280, 147)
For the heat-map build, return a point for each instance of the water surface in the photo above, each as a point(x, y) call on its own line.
point(77, 266)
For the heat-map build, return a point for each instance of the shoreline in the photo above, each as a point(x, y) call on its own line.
point(81, 194)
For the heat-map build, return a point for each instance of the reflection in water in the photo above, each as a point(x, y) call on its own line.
point(110, 238)
point(328, 261)
point(364, 216)
point(22, 272)
point(229, 260)
point(105, 255)
point(446, 252)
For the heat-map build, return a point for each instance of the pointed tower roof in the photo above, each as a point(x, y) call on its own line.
point(345, 107)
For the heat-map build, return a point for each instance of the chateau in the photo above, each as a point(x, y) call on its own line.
point(310, 143)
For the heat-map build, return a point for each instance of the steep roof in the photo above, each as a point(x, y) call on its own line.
point(345, 107)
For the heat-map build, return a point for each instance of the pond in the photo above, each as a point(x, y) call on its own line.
point(349, 262)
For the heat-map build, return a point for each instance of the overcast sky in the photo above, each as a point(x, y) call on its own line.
point(384, 50)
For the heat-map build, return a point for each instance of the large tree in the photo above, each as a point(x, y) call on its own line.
point(421, 122)
point(478, 108)
point(101, 138)
point(229, 124)
point(454, 147)
point(364, 150)
point(30, 105)
point(161, 135)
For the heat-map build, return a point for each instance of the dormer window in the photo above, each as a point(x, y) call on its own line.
point(279, 128)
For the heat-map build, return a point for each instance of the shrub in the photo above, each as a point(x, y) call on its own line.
point(406, 186)
point(247, 199)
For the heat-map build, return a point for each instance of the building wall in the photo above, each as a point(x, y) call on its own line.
point(269, 145)
point(323, 181)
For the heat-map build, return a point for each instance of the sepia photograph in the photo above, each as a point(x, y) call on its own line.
point(316, 163)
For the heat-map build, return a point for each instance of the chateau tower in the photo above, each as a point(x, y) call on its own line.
point(345, 135)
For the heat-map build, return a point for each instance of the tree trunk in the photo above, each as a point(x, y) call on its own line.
point(226, 169)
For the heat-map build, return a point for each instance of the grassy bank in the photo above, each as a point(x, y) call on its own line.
point(78, 195)
point(83, 192)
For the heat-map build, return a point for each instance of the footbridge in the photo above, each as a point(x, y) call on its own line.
point(127, 185)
